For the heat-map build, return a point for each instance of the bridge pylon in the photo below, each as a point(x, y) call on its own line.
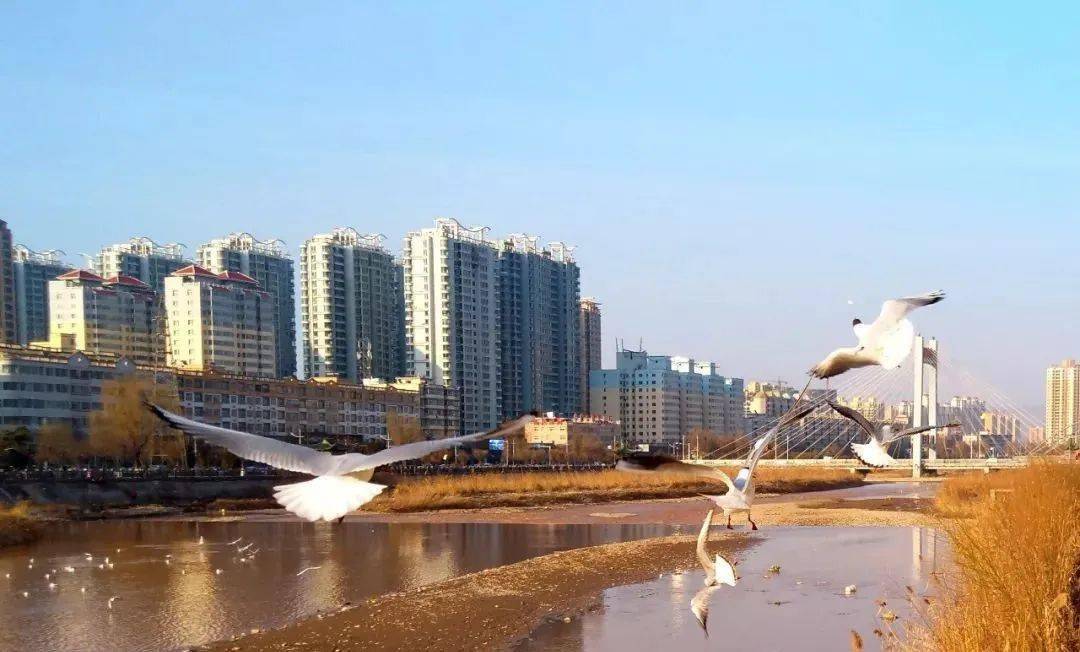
point(925, 400)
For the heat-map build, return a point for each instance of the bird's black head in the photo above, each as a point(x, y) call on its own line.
point(856, 321)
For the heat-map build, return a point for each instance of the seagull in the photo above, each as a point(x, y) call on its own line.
point(875, 452)
point(886, 342)
point(342, 482)
point(740, 493)
point(111, 600)
point(309, 568)
point(718, 570)
point(245, 547)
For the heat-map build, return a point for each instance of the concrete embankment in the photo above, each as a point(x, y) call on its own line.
point(124, 493)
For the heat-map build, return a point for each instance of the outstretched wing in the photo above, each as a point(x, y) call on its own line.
point(914, 431)
point(422, 448)
point(278, 454)
point(855, 416)
point(702, 553)
point(763, 442)
point(894, 310)
point(725, 571)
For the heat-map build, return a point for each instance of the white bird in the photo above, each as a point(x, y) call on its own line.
point(740, 493)
point(718, 570)
point(218, 571)
point(112, 599)
point(82, 589)
point(875, 452)
point(69, 569)
point(309, 568)
point(886, 342)
point(245, 547)
point(201, 540)
point(52, 585)
point(342, 482)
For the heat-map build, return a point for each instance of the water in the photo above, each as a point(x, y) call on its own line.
point(185, 602)
point(816, 563)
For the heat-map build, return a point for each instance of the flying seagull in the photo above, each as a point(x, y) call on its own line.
point(717, 571)
point(875, 452)
point(342, 482)
point(641, 462)
point(740, 493)
point(886, 342)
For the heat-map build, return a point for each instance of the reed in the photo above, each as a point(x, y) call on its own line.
point(1017, 557)
point(545, 488)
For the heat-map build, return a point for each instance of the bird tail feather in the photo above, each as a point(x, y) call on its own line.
point(326, 497)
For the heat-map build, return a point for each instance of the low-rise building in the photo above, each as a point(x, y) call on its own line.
point(440, 406)
point(559, 431)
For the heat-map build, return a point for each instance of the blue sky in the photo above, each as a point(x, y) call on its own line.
point(730, 175)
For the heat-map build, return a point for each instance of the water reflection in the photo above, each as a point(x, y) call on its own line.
point(801, 608)
point(186, 602)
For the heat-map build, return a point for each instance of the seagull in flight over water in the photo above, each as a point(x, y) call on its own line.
point(740, 493)
point(875, 452)
point(886, 342)
point(718, 571)
point(342, 482)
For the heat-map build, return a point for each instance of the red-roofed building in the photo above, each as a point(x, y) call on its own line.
point(114, 317)
point(219, 322)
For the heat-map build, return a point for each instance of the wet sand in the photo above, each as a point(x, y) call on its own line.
point(491, 609)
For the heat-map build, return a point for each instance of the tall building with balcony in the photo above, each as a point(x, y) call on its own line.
point(589, 347)
point(141, 258)
point(539, 294)
point(219, 322)
point(32, 273)
point(1063, 402)
point(452, 316)
point(115, 316)
point(8, 308)
point(661, 399)
point(267, 262)
point(352, 307)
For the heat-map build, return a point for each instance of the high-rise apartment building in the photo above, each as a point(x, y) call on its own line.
point(589, 347)
point(1063, 402)
point(270, 265)
point(538, 295)
point(104, 316)
point(141, 258)
point(8, 309)
point(219, 322)
point(452, 316)
point(352, 307)
point(660, 399)
point(32, 273)
point(1002, 424)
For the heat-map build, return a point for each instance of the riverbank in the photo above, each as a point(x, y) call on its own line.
point(542, 489)
point(18, 526)
point(491, 609)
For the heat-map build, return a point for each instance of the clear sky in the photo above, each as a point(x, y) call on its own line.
point(731, 175)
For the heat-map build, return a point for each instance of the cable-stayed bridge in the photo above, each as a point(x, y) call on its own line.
point(991, 430)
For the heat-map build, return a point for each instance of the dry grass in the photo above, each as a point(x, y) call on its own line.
point(532, 489)
point(17, 525)
point(1018, 564)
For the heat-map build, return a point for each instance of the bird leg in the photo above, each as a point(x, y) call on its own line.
point(341, 519)
point(753, 525)
point(729, 521)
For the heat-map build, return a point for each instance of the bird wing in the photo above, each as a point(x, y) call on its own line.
point(841, 360)
point(422, 448)
point(699, 606)
point(278, 454)
point(762, 443)
point(855, 416)
point(725, 571)
point(894, 310)
point(914, 431)
point(702, 554)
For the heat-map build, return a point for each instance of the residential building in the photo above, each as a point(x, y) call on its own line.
point(440, 406)
point(589, 347)
point(538, 309)
point(141, 258)
point(287, 407)
point(39, 386)
point(32, 273)
point(1001, 424)
point(561, 431)
point(1063, 402)
point(115, 316)
point(452, 316)
point(8, 308)
point(660, 399)
point(768, 400)
point(219, 322)
point(869, 406)
point(267, 262)
point(352, 307)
